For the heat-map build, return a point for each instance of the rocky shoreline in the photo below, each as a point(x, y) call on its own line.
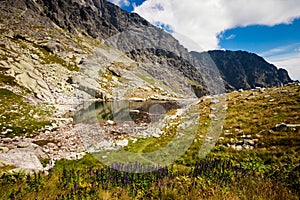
point(66, 139)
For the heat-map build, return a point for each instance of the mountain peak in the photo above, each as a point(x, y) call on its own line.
point(54, 40)
point(246, 70)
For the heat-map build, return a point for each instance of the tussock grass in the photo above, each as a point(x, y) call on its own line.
point(19, 118)
point(270, 171)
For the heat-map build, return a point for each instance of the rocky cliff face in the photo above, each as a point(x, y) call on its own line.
point(57, 53)
point(96, 18)
point(56, 50)
point(60, 49)
point(247, 70)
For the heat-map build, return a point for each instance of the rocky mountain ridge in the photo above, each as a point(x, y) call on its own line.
point(45, 44)
point(58, 53)
point(245, 70)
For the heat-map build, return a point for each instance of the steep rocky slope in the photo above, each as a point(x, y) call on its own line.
point(91, 49)
point(57, 53)
point(64, 52)
point(56, 50)
point(247, 70)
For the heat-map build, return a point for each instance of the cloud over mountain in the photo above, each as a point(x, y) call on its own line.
point(121, 2)
point(204, 20)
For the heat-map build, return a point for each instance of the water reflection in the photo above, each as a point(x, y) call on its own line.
point(122, 111)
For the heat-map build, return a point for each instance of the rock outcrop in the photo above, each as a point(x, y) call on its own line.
point(64, 52)
point(56, 50)
point(245, 70)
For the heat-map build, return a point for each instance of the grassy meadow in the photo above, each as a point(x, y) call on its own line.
point(254, 158)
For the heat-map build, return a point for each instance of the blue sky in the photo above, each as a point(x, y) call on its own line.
point(270, 28)
point(260, 39)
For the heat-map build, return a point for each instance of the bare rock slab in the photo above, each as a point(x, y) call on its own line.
point(28, 161)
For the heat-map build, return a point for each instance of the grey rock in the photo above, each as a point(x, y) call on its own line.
point(4, 149)
point(134, 111)
point(137, 99)
point(115, 71)
point(293, 126)
point(214, 101)
point(110, 122)
point(155, 135)
point(239, 148)
point(122, 143)
point(3, 63)
point(281, 127)
point(24, 144)
point(250, 142)
point(262, 90)
point(53, 47)
point(22, 160)
point(212, 116)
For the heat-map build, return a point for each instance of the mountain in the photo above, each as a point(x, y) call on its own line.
point(245, 70)
point(65, 51)
point(59, 56)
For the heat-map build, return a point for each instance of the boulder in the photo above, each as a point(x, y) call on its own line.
point(110, 122)
point(4, 149)
point(212, 116)
point(214, 101)
point(137, 99)
point(238, 148)
point(134, 111)
point(22, 160)
point(122, 143)
point(115, 71)
point(281, 127)
point(155, 135)
point(24, 144)
point(53, 47)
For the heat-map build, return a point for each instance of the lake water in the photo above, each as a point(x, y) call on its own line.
point(120, 111)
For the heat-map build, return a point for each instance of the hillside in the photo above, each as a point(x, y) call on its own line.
point(243, 70)
point(256, 156)
point(54, 49)
point(97, 103)
point(58, 57)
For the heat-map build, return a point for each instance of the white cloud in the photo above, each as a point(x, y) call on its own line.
point(121, 3)
point(230, 37)
point(282, 50)
point(291, 65)
point(286, 57)
point(290, 62)
point(202, 21)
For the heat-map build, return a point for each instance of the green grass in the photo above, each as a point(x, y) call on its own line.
point(270, 171)
point(7, 80)
point(47, 57)
point(211, 178)
point(145, 78)
point(50, 58)
point(19, 118)
point(44, 142)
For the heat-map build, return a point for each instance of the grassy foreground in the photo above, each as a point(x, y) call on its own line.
point(20, 118)
point(252, 160)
